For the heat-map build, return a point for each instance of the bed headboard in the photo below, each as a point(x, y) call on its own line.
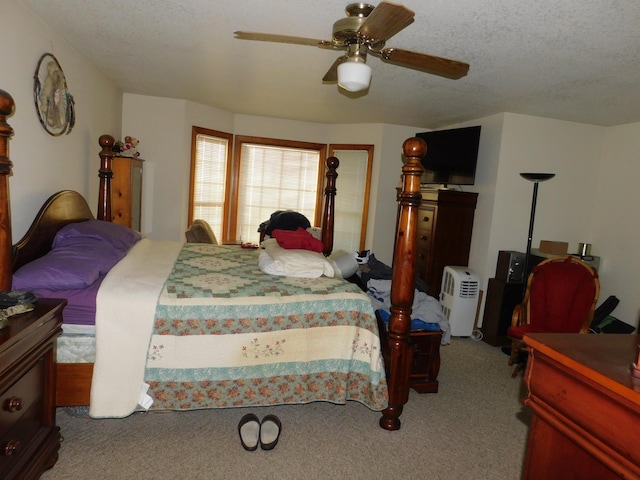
point(60, 209)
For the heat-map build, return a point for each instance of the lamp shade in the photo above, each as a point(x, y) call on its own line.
point(354, 76)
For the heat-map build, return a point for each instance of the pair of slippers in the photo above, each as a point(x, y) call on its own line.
point(253, 432)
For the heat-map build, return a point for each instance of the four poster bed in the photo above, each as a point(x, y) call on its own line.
point(218, 337)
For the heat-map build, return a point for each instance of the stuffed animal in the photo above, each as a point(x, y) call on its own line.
point(118, 146)
point(129, 148)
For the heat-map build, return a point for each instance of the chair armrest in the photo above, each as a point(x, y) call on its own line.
point(519, 316)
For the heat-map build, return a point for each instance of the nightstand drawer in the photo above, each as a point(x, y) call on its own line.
point(19, 397)
point(18, 439)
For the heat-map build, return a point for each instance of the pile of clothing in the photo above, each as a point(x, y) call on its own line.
point(290, 249)
point(426, 311)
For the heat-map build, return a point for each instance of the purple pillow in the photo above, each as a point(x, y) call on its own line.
point(118, 236)
point(77, 264)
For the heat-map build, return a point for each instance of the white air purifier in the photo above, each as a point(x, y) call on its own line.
point(459, 299)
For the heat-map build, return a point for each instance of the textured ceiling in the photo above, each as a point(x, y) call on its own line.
point(576, 60)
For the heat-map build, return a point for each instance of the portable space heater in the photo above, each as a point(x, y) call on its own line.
point(459, 299)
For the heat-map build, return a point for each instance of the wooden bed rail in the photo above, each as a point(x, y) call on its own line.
point(400, 356)
point(7, 106)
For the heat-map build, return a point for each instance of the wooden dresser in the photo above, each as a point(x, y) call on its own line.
point(586, 406)
point(444, 233)
point(29, 437)
point(126, 191)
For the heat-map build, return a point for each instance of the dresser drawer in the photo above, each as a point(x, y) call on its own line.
point(422, 254)
point(20, 396)
point(425, 219)
point(424, 239)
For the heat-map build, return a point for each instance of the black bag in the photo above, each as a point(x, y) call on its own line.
point(9, 298)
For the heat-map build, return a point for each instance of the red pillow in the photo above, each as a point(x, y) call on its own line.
point(297, 239)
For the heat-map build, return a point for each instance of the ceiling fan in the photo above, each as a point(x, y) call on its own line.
point(365, 30)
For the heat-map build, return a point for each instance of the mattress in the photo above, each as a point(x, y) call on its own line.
point(76, 348)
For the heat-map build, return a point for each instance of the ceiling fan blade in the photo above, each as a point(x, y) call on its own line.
point(423, 62)
point(385, 21)
point(332, 74)
point(271, 37)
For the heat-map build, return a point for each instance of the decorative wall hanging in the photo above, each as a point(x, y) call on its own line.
point(54, 103)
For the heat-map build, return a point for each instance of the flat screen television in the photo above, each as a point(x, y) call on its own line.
point(452, 156)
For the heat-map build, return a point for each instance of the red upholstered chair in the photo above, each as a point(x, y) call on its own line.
point(561, 297)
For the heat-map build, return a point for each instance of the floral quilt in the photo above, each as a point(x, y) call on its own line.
point(228, 335)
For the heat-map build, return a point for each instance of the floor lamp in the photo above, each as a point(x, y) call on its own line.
point(536, 178)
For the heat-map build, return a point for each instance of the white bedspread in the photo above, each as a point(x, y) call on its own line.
point(125, 309)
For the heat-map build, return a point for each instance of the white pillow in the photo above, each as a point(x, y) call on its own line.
point(276, 260)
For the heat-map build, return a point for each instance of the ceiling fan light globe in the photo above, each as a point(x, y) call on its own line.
point(354, 76)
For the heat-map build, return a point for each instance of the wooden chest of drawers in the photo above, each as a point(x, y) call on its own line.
point(29, 437)
point(445, 225)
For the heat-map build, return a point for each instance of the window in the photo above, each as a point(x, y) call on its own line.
point(210, 162)
point(352, 199)
point(274, 175)
point(235, 193)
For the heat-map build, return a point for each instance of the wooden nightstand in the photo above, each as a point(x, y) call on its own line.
point(425, 349)
point(426, 361)
point(29, 437)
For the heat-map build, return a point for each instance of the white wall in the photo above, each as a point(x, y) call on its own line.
point(44, 164)
point(158, 123)
point(615, 228)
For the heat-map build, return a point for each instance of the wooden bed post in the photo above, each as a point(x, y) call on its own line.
point(329, 205)
point(400, 356)
point(105, 173)
point(7, 106)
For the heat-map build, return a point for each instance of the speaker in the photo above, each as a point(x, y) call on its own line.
point(502, 298)
point(510, 266)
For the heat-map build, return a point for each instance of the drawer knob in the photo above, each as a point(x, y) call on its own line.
point(423, 237)
point(425, 219)
point(14, 404)
point(12, 448)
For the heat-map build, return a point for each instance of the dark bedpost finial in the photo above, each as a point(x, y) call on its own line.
point(105, 173)
point(329, 205)
point(7, 106)
point(403, 283)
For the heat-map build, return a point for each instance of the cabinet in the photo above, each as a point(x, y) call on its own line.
point(126, 191)
point(585, 407)
point(445, 225)
point(29, 437)
point(502, 298)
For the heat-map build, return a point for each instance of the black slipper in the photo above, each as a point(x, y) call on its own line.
point(249, 430)
point(270, 432)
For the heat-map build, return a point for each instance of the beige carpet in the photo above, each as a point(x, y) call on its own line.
point(475, 427)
